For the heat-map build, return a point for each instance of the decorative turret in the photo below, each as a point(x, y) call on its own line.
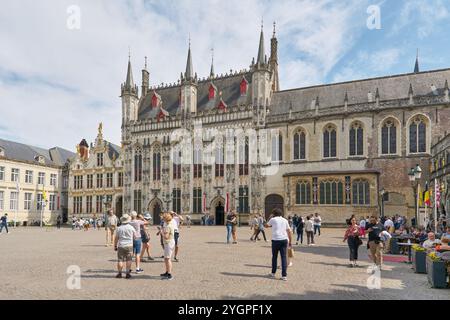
point(411, 94)
point(416, 66)
point(145, 79)
point(274, 60)
point(130, 100)
point(188, 101)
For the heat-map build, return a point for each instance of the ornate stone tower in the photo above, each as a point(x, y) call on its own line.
point(130, 100)
point(273, 61)
point(189, 85)
point(262, 86)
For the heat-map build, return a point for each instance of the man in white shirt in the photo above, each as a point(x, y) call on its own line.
point(309, 228)
point(431, 242)
point(123, 244)
point(178, 221)
point(388, 224)
point(281, 240)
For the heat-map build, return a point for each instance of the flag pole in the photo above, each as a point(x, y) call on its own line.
point(436, 191)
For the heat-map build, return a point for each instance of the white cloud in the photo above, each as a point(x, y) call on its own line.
point(74, 76)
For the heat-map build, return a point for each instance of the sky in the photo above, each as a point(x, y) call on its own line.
point(62, 61)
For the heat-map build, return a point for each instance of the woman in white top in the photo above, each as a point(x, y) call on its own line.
point(281, 240)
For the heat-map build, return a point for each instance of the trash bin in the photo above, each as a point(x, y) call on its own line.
point(395, 248)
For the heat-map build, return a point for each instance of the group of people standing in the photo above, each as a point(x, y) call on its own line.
point(311, 225)
point(132, 240)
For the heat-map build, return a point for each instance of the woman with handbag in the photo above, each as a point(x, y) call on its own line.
point(352, 236)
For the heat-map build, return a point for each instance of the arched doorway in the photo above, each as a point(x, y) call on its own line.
point(273, 201)
point(118, 207)
point(219, 211)
point(155, 210)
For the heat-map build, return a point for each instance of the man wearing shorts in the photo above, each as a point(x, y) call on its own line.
point(168, 233)
point(110, 227)
point(137, 224)
point(123, 244)
point(178, 220)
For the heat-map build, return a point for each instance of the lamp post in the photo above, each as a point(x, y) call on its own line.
point(414, 176)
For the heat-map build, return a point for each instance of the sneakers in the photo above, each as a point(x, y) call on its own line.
point(139, 271)
point(283, 279)
point(164, 274)
point(128, 276)
point(169, 277)
point(290, 264)
point(119, 276)
point(151, 259)
point(175, 259)
point(272, 275)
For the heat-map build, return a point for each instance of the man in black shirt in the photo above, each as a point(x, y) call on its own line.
point(375, 246)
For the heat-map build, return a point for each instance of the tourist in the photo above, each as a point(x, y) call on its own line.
point(145, 237)
point(317, 223)
point(178, 221)
point(261, 223)
point(231, 223)
point(294, 223)
point(74, 222)
point(4, 223)
point(110, 227)
point(389, 226)
point(309, 228)
point(86, 225)
point(254, 226)
point(123, 244)
point(431, 242)
point(300, 227)
point(188, 221)
point(137, 223)
point(375, 246)
point(168, 232)
point(58, 222)
point(352, 236)
point(445, 238)
point(281, 241)
point(290, 221)
point(362, 227)
point(348, 221)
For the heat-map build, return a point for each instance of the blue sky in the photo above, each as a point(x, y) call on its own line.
point(57, 84)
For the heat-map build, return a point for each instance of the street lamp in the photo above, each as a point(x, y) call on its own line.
point(414, 176)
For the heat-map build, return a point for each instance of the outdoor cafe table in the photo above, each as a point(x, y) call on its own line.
point(409, 246)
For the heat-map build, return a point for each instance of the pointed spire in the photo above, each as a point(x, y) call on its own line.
point(189, 74)
point(416, 67)
point(261, 51)
point(274, 29)
point(211, 73)
point(129, 83)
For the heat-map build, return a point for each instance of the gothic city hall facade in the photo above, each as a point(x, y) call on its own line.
point(237, 142)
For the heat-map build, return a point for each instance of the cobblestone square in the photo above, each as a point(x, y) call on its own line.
point(34, 263)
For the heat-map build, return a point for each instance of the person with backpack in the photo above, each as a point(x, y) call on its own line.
point(261, 223)
point(300, 227)
point(145, 237)
point(4, 223)
point(254, 226)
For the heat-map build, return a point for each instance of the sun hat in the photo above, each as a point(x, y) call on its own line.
point(147, 216)
point(134, 214)
point(125, 219)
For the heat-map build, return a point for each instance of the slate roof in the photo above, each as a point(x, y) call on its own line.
point(332, 95)
point(229, 86)
point(22, 152)
point(113, 150)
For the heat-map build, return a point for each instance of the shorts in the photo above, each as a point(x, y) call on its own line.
point(112, 229)
point(176, 237)
point(137, 245)
point(125, 254)
point(168, 249)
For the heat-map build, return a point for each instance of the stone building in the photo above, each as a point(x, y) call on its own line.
point(205, 145)
point(96, 179)
point(440, 170)
point(33, 182)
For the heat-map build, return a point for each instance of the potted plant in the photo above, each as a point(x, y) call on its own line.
point(437, 273)
point(419, 257)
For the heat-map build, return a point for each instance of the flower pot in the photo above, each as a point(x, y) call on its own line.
point(437, 273)
point(419, 261)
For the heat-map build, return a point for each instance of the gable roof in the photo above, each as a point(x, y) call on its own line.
point(229, 86)
point(333, 95)
point(22, 152)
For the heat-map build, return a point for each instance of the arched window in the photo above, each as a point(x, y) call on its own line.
point(176, 158)
point(356, 139)
point(157, 166)
point(138, 166)
point(329, 142)
point(418, 136)
point(197, 161)
point(219, 160)
point(389, 137)
point(277, 147)
point(243, 157)
point(361, 192)
point(299, 145)
point(303, 193)
point(331, 192)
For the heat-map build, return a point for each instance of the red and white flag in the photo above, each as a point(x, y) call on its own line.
point(227, 202)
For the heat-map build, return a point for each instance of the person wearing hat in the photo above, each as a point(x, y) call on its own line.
point(168, 235)
point(123, 244)
point(145, 236)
